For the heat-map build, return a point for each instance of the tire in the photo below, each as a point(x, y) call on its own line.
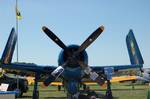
point(70, 96)
point(36, 95)
point(19, 92)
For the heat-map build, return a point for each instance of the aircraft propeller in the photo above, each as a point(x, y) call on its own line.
point(51, 35)
point(90, 39)
point(72, 56)
point(100, 79)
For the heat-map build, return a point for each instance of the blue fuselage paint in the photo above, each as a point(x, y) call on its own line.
point(72, 73)
point(72, 77)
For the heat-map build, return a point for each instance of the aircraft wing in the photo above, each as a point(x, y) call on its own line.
point(114, 79)
point(142, 79)
point(123, 78)
point(115, 67)
point(29, 68)
point(56, 84)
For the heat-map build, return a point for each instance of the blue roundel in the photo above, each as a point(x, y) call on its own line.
point(72, 87)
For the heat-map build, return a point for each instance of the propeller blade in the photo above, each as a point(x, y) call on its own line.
point(51, 35)
point(98, 78)
point(93, 75)
point(55, 74)
point(48, 80)
point(91, 39)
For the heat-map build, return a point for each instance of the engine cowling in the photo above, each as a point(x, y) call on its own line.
point(63, 56)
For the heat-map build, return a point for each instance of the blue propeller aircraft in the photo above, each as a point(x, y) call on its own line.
point(72, 64)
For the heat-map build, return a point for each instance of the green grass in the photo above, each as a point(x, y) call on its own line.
point(120, 91)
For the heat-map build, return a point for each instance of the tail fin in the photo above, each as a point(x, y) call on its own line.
point(133, 49)
point(9, 48)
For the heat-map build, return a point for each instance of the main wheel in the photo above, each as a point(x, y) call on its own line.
point(19, 92)
point(70, 96)
point(36, 95)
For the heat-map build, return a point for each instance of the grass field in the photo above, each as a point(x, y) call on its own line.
point(120, 91)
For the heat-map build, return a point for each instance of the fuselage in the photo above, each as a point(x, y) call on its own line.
point(73, 73)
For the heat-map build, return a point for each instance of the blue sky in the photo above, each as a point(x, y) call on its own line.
point(73, 21)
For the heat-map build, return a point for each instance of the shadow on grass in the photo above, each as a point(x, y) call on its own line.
point(51, 91)
point(55, 98)
point(65, 98)
point(120, 89)
point(127, 89)
point(24, 97)
point(134, 85)
point(115, 97)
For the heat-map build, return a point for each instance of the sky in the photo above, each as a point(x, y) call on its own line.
point(73, 21)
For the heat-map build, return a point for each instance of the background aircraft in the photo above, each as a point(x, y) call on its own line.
point(145, 76)
point(72, 63)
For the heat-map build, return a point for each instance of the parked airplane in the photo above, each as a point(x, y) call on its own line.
point(72, 63)
point(145, 75)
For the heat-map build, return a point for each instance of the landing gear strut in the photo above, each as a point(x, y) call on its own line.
point(108, 91)
point(108, 72)
point(35, 90)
